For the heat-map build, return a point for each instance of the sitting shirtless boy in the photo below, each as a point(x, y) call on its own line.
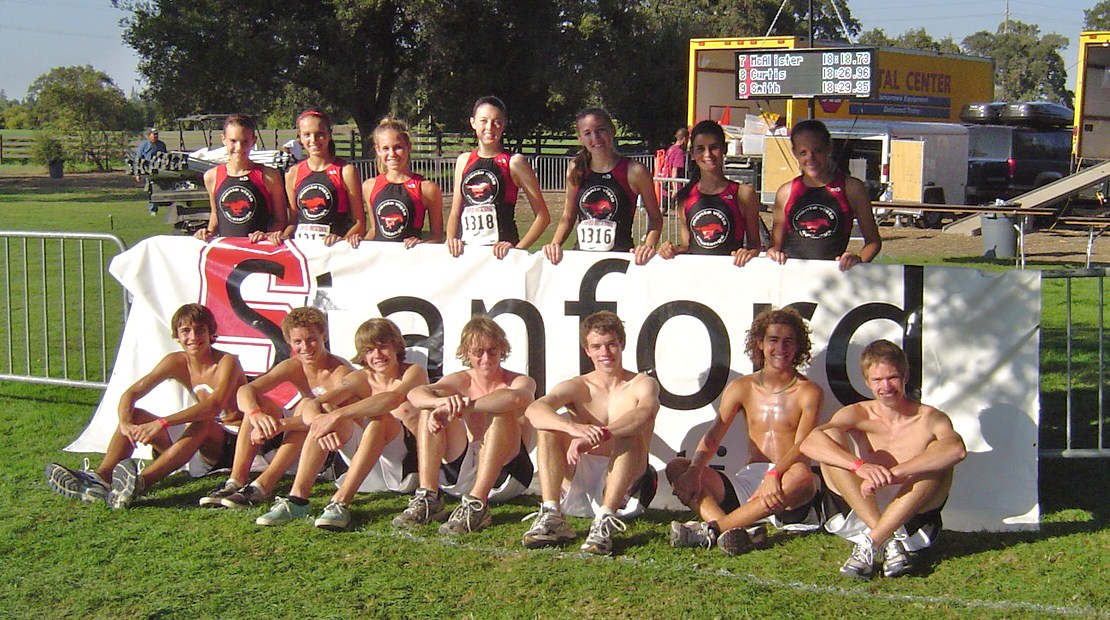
point(600, 450)
point(212, 375)
point(779, 406)
point(469, 438)
point(360, 417)
point(890, 494)
point(313, 370)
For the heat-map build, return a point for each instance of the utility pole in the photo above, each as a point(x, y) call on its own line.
point(811, 105)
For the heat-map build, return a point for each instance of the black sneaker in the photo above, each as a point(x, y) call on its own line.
point(249, 496)
point(215, 498)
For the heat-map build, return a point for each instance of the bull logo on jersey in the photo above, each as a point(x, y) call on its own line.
point(237, 204)
point(313, 200)
point(391, 215)
point(598, 203)
point(710, 228)
point(814, 221)
point(480, 187)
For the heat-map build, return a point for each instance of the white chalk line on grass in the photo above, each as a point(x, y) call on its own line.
point(757, 581)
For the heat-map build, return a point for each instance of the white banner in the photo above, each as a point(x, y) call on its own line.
point(971, 337)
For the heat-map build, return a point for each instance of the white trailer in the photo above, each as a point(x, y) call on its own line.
point(899, 160)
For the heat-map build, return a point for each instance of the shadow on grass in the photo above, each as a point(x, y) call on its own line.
point(53, 195)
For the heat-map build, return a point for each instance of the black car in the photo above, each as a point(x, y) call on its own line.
point(1017, 148)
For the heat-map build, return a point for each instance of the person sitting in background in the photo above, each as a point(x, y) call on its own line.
point(147, 149)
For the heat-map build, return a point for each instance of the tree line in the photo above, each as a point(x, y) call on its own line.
point(426, 60)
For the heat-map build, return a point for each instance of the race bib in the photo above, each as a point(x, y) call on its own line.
point(311, 232)
point(479, 225)
point(596, 235)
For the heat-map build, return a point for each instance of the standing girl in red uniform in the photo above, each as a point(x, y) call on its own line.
point(247, 199)
point(717, 216)
point(483, 206)
point(602, 188)
point(398, 198)
point(814, 212)
point(324, 191)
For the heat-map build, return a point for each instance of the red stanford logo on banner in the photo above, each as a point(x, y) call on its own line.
point(250, 287)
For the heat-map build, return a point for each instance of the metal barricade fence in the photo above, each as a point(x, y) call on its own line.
point(1074, 419)
point(62, 315)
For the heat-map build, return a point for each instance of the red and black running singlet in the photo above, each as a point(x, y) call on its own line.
point(243, 203)
point(606, 207)
point(818, 220)
point(487, 183)
point(397, 208)
point(321, 199)
point(715, 221)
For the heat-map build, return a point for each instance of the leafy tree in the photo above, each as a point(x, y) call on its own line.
point(223, 55)
point(519, 51)
point(916, 39)
point(17, 116)
point(1027, 66)
point(85, 103)
point(1097, 17)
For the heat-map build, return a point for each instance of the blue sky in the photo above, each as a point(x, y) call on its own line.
point(37, 35)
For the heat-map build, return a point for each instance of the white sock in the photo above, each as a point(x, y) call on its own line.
point(553, 505)
point(604, 512)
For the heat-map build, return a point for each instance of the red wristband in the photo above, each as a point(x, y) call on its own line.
point(254, 412)
point(606, 435)
point(855, 466)
point(773, 472)
point(164, 423)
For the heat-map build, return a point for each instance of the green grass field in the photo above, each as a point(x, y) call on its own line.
point(166, 558)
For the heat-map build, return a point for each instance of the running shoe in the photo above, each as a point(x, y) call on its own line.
point(758, 536)
point(692, 534)
point(896, 561)
point(472, 515)
point(423, 508)
point(735, 541)
point(247, 497)
point(282, 512)
point(600, 539)
point(550, 527)
point(861, 563)
point(227, 489)
point(336, 517)
point(127, 483)
point(84, 485)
